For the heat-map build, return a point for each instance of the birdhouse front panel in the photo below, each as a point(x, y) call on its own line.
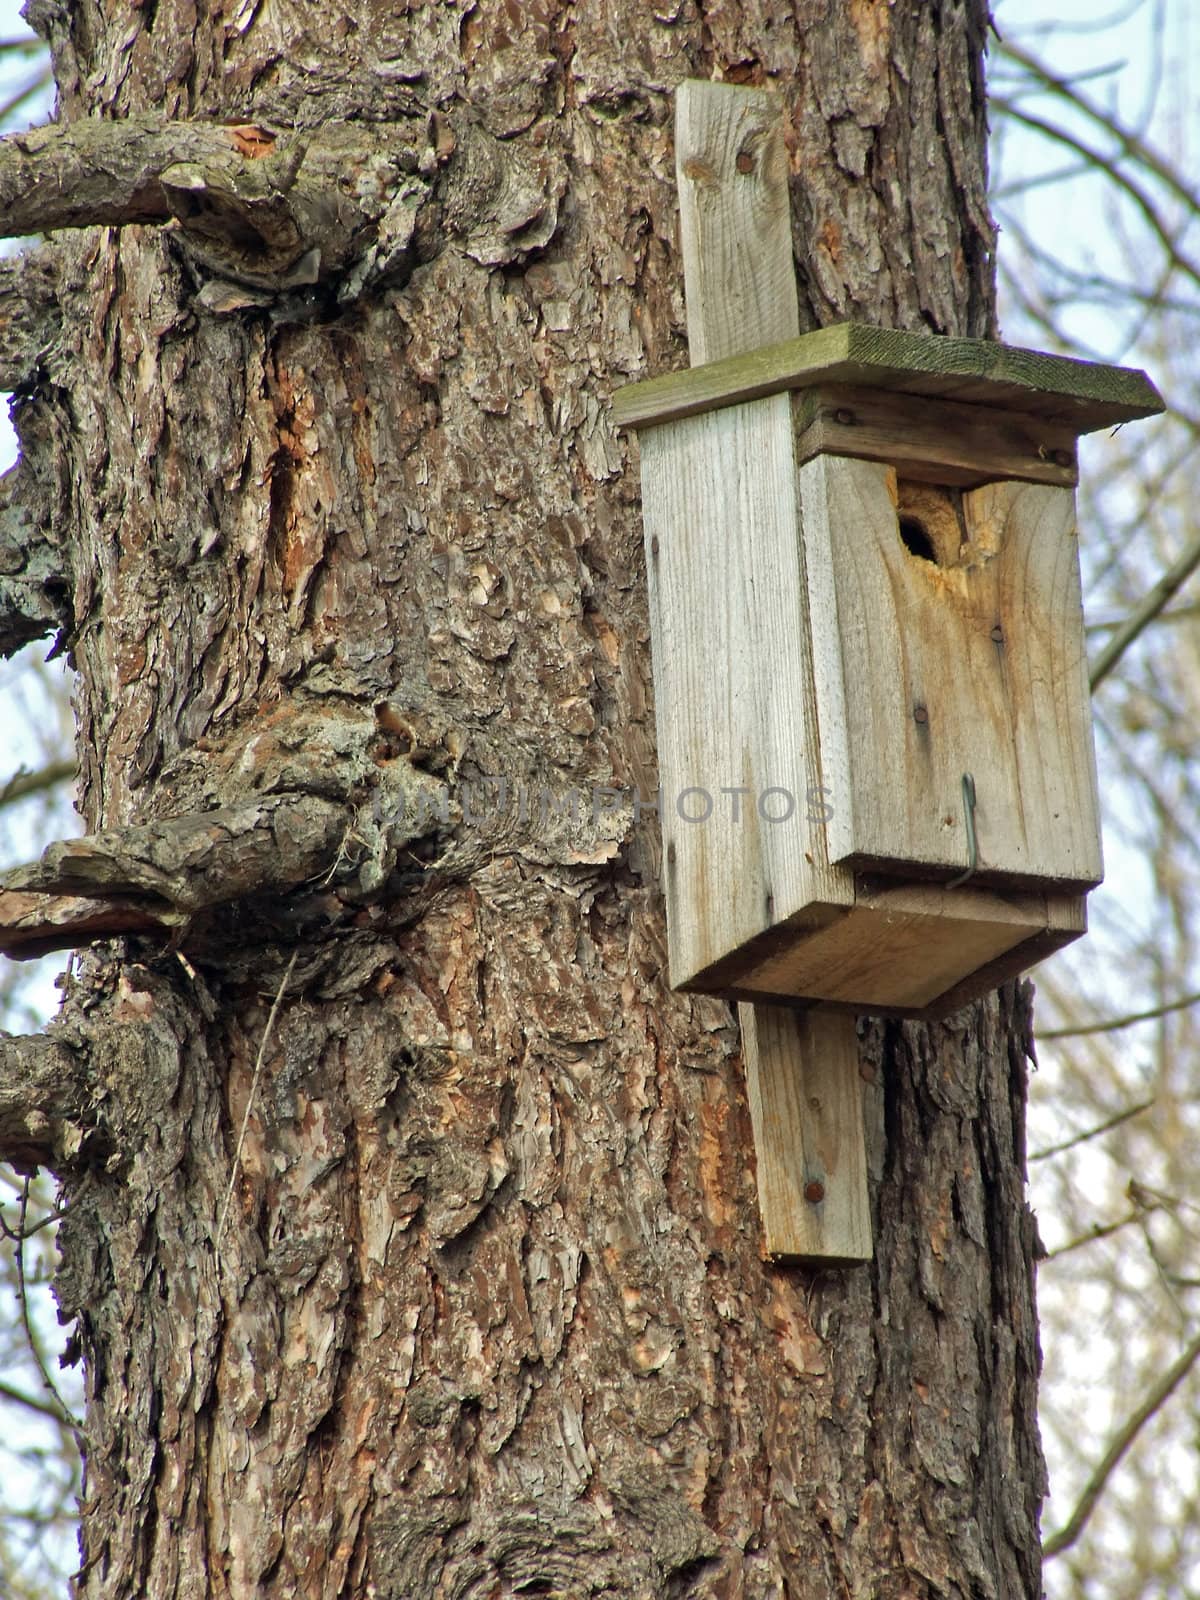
point(947, 629)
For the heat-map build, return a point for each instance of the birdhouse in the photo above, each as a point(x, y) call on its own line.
point(875, 743)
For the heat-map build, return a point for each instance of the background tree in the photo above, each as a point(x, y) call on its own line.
point(1100, 220)
point(487, 1307)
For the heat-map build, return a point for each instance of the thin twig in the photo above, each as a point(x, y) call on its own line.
point(1163, 591)
point(1100, 1231)
point(1157, 224)
point(32, 1403)
point(23, 784)
point(1187, 613)
point(262, 1052)
point(1155, 1399)
point(26, 1320)
point(1092, 1133)
point(1113, 1024)
point(35, 85)
point(16, 1234)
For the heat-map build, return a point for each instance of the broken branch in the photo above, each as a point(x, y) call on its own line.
point(33, 600)
point(263, 207)
point(38, 1094)
point(312, 800)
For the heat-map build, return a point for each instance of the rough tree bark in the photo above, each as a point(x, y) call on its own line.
point(321, 490)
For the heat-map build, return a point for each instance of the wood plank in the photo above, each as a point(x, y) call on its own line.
point(802, 1076)
point(1082, 395)
point(935, 441)
point(735, 703)
point(927, 669)
point(734, 219)
point(733, 669)
point(917, 949)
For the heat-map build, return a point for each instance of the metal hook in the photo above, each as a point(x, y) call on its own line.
point(968, 794)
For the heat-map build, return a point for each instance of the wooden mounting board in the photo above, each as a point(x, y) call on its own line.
point(802, 1074)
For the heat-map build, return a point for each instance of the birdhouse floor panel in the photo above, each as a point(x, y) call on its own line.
point(913, 950)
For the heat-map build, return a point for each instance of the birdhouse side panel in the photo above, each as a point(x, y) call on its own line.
point(951, 676)
point(742, 792)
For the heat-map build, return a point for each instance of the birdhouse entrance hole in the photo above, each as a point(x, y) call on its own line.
point(916, 540)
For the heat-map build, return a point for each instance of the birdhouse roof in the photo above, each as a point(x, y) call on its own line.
point(1080, 395)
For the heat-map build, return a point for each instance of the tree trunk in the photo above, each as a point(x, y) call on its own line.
point(413, 1245)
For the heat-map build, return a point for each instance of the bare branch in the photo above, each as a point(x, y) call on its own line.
point(1159, 597)
point(1114, 1024)
point(1131, 145)
point(311, 801)
point(33, 85)
point(1135, 191)
point(24, 784)
point(1101, 1230)
point(1154, 1401)
point(34, 925)
point(35, 1348)
point(1092, 1133)
point(44, 1408)
point(160, 874)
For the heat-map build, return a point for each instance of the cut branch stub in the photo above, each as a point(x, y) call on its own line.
point(33, 592)
point(266, 208)
point(308, 803)
point(39, 1095)
point(274, 209)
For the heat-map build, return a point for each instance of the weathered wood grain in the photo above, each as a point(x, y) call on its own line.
point(915, 950)
point(933, 441)
point(1083, 395)
point(737, 725)
point(733, 668)
point(802, 1074)
point(929, 669)
point(734, 219)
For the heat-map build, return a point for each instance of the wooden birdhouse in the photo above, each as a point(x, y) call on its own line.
point(875, 744)
point(878, 787)
point(874, 733)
